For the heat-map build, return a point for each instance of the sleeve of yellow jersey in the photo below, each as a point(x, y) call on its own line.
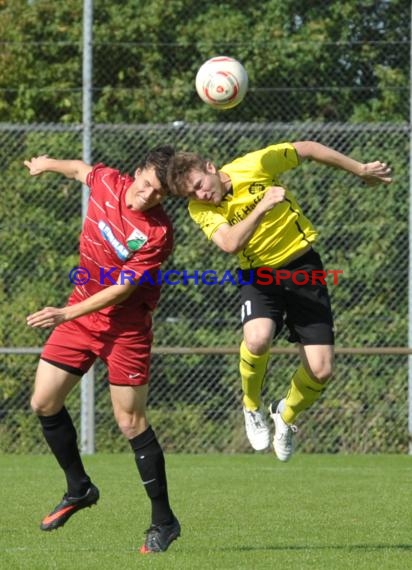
point(278, 158)
point(206, 216)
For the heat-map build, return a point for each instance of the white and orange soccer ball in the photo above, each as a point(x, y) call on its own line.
point(222, 82)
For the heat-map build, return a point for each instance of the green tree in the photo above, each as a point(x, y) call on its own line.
point(302, 62)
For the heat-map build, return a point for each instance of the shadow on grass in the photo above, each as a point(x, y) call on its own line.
point(347, 547)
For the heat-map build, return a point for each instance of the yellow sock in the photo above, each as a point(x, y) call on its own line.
point(303, 392)
point(252, 370)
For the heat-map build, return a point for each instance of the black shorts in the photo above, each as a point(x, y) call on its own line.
point(294, 294)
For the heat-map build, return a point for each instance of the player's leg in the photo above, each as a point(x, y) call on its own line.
point(261, 318)
point(310, 321)
point(254, 355)
point(52, 385)
point(129, 406)
point(306, 387)
point(308, 381)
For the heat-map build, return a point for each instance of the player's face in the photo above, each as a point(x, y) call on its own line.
point(205, 186)
point(146, 190)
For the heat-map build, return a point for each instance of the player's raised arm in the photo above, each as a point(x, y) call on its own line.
point(76, 169)
point(373, 173)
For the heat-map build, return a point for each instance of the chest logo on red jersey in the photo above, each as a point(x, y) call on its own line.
point(121, 250)
point(136, 240)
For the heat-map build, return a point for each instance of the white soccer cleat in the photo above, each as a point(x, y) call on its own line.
point(257, 429)
point(283, 438)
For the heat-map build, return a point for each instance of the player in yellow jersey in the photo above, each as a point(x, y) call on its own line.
point(245, 210)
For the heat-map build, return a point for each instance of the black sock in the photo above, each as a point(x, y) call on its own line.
point(61, 436)
point(151, 465)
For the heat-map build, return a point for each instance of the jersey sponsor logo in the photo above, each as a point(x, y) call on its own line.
point(121, 250)
point(242, 212)
point(109, 205)
point(256, 187)
point(136, 240)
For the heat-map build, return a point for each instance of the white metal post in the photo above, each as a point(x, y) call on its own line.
point(410, 251)
point(87, 417)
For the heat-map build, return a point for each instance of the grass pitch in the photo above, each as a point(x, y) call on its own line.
point(237, 512)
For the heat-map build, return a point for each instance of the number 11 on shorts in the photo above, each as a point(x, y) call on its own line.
point(246, 309)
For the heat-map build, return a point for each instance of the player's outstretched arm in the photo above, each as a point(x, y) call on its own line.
point(372, 173)
point(76, 169)
point(53, 316)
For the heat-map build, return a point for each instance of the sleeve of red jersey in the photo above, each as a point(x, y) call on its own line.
point(102, 176)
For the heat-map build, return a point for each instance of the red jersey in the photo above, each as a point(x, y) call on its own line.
point(116, 239)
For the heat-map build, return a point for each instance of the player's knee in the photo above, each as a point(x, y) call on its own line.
point(322, 372)
point(131, 425)
point(40, 408)
point(127, 428)
point(35, 407)
point(257, 343)
point(258, 335)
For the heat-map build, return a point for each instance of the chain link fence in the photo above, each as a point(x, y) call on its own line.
point(195, 401)
point(135, 89)
point(334, 72)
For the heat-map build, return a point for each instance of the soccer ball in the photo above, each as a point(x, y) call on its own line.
point(222, 82)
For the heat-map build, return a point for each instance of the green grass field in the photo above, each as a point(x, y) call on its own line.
point(237, 512)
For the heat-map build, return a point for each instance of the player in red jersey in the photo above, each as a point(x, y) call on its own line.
point(126, 233)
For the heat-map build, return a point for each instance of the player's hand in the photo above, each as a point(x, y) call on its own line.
point(374, 173)
point(273, 195)
point(36, 165)
point(47, 317)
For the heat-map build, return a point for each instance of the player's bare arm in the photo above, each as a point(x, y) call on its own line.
point(373, 173)
point(232, 239)
point(76, 169)
point(53, 316)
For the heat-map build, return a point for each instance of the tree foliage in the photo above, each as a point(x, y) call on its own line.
point(302, 62)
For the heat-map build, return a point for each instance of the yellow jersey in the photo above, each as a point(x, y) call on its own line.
point(283, 232)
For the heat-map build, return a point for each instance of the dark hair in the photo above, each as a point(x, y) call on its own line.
point(180, 166)
point(158, 158)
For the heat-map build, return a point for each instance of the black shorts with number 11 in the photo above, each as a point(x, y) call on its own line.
point(304, 308)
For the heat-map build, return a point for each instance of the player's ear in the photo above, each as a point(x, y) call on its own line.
point(210, 167)
point(137, 173)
